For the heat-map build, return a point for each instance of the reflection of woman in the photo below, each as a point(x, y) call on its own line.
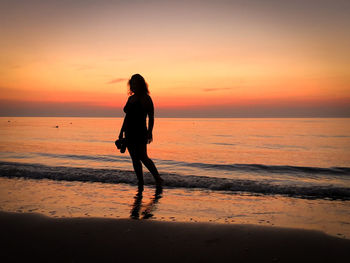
point(137, 108)
point(150, 207)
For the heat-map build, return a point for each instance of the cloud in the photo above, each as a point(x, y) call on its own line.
point(117, 80)
point(216, 89)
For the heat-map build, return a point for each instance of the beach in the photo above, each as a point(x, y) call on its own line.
point(43, 239)
point(71, 199)
point(248, 190)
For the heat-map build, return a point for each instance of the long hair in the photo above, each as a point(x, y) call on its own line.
point(137, 85)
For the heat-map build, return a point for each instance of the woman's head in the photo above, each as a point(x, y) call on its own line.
point(137, 85)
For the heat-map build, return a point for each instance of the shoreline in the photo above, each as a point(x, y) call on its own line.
point(41, 238)
point(70, 199)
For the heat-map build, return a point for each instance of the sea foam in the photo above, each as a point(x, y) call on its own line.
point(115, 176)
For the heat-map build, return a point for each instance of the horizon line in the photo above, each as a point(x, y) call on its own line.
point(188, 117)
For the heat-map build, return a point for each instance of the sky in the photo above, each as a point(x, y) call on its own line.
point(271, 58)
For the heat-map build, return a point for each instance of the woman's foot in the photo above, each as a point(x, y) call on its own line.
point(159, 181)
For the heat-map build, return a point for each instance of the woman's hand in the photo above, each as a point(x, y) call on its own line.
point(149, 137)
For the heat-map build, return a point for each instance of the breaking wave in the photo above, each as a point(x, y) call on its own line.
point(37, 171)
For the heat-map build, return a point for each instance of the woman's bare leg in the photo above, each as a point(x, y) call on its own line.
point(149, 163)
point(136, 162)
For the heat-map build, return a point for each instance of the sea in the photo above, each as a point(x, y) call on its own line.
point(286, 172)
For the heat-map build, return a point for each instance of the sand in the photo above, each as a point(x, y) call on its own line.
point(44, 239)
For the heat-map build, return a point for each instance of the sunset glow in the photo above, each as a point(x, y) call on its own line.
point(200, 58)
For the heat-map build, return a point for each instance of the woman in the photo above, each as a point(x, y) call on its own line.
point(138, 106)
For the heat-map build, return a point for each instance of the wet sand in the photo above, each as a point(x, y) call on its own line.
point(81, 199)
point(45, 239)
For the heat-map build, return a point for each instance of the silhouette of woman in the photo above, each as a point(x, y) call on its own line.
point(137, 108)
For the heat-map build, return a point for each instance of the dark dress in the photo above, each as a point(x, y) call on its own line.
point(135, 120)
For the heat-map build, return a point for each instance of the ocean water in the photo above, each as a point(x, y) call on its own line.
point(307, 158)
point(285, 172)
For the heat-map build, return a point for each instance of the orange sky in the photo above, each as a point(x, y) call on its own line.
point(234, 56)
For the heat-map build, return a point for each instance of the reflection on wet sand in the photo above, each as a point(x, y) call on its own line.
point(149, 208)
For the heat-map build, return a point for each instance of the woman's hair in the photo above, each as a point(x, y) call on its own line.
point(137, 85)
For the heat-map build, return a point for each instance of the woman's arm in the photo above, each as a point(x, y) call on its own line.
point(122, 130)
point(150, 120)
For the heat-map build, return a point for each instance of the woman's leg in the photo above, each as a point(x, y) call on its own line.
point(136, 162)
point(142, 150)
